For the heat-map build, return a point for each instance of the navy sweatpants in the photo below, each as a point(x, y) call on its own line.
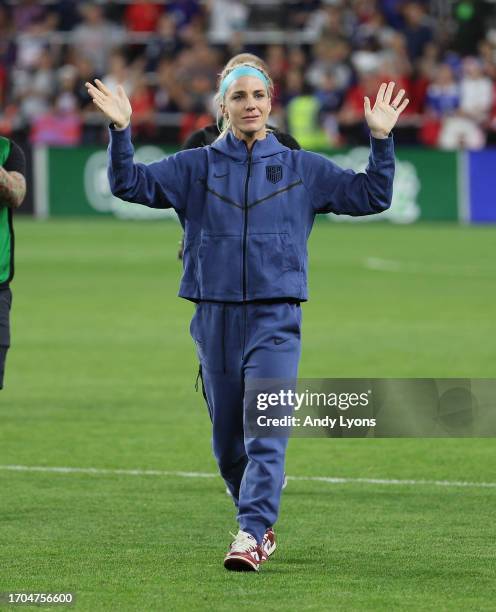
point(236, 342)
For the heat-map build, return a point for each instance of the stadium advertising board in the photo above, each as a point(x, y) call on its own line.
point(85, 191)
point(482, 186)
point(419, 194)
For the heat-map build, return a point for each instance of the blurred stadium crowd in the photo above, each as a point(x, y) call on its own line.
point(323, 55)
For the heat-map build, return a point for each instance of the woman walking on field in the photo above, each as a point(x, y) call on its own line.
point(247, 204)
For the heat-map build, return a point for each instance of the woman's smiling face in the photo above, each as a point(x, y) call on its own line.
point(247, 104)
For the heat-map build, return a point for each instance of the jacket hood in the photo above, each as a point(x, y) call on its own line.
point(236, 149)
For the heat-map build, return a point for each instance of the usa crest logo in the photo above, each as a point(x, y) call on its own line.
point(273, 173)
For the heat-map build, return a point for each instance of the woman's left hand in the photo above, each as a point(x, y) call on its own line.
point(383, 117)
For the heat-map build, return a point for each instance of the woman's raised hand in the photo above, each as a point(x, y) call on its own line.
point(115, 106)
point(383, 116)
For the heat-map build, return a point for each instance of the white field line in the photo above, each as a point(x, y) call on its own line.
point(385, 265)
point(391, 265)
point(327, 479)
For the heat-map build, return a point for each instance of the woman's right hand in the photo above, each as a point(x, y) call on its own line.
point(115, 106)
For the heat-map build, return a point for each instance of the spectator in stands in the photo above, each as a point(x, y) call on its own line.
point(293, 85)
point(7, 45)
point(235, 45)
point(167, 90)
point(351, 122)
point(164, 44)
point(30, 47)
point(66, 88)
point(363, 10)
point(6, 53)
point(487, 55)
point(476, 99)
point(3, 85)
point(119, 73)
point(392, 12)
point(367, 59)
point(26, 13)
point(67, 14)
point(329, 21)
point(395, 54)
point(397, 67)
point(303, 119)
point(353, 37)
point(469, 16)
point(193, 33)
point(330, 100)
point(84, 72)
point(417, 29)
point(33, 87)
point(95, 37)
point(277, 63)
point(374, 31)
point(59, 126)
point(443, 95)
point(331, 56)
point(476, 91)
point(301, 11)
point(297, 58)
point(143, 108)
point(444, 107)
point(226, 17)
point(200, 92)
point(142, 16)
point(184, 12)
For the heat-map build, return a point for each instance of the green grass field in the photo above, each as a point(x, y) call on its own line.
point(101, 375)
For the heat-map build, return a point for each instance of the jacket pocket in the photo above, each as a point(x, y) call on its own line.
point(219, 267)
point(274, 267)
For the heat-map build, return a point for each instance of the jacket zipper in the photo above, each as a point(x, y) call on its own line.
point(245, 229)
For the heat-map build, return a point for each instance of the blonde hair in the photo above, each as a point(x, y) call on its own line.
point(242, 59)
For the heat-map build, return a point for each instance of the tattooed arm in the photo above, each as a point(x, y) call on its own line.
point(12, 181)
point(12, 188)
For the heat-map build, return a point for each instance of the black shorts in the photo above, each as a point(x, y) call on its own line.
point(5, 304)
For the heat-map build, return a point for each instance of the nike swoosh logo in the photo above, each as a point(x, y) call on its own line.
point(221, 175)
point(279, 340)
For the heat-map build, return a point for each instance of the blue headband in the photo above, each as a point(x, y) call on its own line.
point(239, 72)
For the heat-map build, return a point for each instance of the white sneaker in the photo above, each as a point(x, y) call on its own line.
point(268, 544)
point(244, 553)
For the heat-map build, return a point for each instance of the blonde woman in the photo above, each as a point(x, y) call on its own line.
point(247, 204)
point(210, 133)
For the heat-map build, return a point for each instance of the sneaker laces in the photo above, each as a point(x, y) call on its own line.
point(243, 541)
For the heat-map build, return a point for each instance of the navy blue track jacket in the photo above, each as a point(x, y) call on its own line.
point(247, 215)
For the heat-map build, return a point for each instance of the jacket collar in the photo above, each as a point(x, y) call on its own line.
point(237, 149)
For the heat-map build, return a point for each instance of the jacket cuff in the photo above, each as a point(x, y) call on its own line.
point(382, 148)
point(120, 140)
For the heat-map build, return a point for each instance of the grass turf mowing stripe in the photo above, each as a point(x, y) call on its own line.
point(178, 474)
